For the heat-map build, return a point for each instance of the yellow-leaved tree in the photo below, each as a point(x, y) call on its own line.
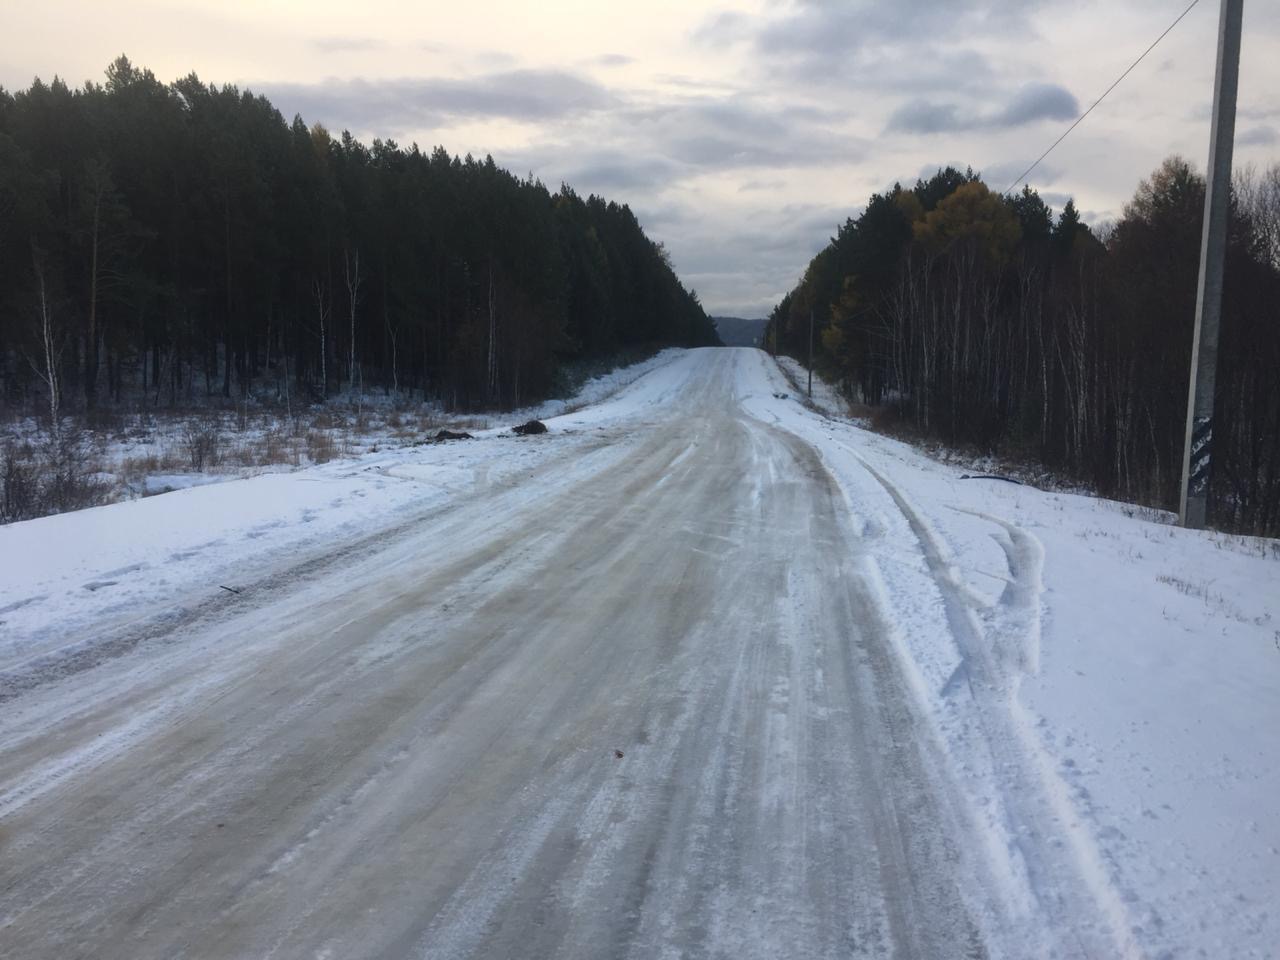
point(971, 214)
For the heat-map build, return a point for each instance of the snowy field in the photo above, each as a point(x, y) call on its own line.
point(1102, 686)
point(124, 455)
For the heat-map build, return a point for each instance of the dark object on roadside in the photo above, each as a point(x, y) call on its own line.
point(990, 476)
point(230, 589)
point(781, 396)
point(617, 754)
point(444, 435)
point(527, 429)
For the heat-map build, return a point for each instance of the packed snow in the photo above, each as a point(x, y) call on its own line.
point(1104, 686)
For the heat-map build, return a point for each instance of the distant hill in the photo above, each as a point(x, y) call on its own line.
point(739, 332)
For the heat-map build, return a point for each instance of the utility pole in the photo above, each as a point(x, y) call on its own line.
point(1198, 447)
point(811, 353)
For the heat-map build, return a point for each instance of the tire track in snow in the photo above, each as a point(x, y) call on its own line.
point(992, 665)
point(1032, 792)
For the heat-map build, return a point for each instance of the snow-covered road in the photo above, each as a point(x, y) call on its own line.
point(695, 675)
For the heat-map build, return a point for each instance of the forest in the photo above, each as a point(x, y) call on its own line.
point(164, 245)
point(983, 322)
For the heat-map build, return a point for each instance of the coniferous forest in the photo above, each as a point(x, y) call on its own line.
point(982, 321)
point(166, 243)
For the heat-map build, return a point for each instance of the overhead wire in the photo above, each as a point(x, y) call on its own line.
point(1026, 173)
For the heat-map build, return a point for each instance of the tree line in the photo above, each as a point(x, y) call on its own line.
point(984, 321)
point(166, 243)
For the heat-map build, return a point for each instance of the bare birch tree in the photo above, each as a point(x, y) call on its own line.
point(491, 379)
point(51, 344)
point(351, 269)
point(322, 316)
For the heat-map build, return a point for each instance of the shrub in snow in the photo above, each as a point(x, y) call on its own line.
point(201, 441)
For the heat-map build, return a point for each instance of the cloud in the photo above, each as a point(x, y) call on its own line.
point(924, 116)
point(610, 172)
point(1254, 112)
point(695, 86)
point(723, 29)
point(386, 107)
point(1263, 136)
point(613, 60)
point(707, 135)
point(708, 158)
point(831, 38)
point(929, 70)
point(1055, 200)
point(1033, 103)
point(1038, 101)
point(1098, 219)
point(744, 267)
point(667, 154)
point(929, 169)
point(999, 176)
point(751, 186)
point(494, 59)
point(675, 151)
point(843, 24)
point(736, 132)
point(669, 214)
point(668, 139)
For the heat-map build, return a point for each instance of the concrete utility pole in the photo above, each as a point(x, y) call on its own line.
point(811, 353)
point(1198, 447)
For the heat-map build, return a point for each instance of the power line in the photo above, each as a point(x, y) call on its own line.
point(1080, 118)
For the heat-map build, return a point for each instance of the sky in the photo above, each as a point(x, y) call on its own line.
point(742, 133)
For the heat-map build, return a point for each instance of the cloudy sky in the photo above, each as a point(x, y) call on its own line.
point(741, 132)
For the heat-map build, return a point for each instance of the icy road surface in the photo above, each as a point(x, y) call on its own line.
point(650, 695)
